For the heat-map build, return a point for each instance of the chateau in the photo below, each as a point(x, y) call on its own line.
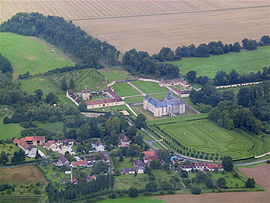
point(168, 106)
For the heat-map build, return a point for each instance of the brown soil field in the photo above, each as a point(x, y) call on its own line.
point(260, 173)
point(21, 175)
point(151, 24)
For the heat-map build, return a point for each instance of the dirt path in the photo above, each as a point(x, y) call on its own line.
point(260, 173)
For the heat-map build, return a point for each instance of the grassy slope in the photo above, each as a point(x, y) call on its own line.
point(8, 131)
point(243, 62)
point(204, 135)
point(113, 75)
point(149, 87)
point(31, 54)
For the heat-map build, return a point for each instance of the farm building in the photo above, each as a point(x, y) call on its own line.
point(202, 166)
point(104, 103)
point(169, 106)
point(150, 156)
point(168, 83)
point(28, 145)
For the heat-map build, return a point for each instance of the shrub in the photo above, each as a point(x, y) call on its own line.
point(133, 192)
point(196, 190)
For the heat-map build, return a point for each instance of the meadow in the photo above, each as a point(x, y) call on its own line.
point(124, 89)
point(198, 133)
point(31, 54)
point(149, 87)
point(242, 62)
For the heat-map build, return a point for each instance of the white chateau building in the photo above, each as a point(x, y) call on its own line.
point(168, 106)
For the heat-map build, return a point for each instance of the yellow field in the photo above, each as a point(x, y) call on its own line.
point(151, 24)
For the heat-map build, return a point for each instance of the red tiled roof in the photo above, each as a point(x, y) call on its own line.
point(103, 101)
point(79, 163)
point(23, 144)
point(34, 138)
point(150, 153)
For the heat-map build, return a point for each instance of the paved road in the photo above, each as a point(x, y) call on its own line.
point(150, 143)
point(136, 88)
point(193, 109)
point(251, 163)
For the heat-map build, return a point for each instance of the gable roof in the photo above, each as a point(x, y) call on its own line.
point(33, 138)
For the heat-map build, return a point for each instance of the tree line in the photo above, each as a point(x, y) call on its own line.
point(140, 62)
point(212, 48)
point(223, 78)
point(103, 183)
point(90, 51)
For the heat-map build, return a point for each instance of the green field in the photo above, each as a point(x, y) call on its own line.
point(8, 131)
point(136, 99)
point(43, 83)
point(149, 87)
point(134, 200)
point(198, 133)
point(31, 54)
point(124, 89)
point(243, 62)
point(113, 75)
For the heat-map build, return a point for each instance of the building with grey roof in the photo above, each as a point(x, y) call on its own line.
point(170, 105)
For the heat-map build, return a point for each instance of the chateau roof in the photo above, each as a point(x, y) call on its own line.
point(169, 100)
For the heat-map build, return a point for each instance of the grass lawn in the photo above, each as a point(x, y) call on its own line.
point(113, 75)
point(51, 127)
point(31, 54)
point(124, 182)
point(205, 136)
point(231, 181)
point(10, 130)
point(243, 62)
point(149, 87)
point(133, 200)
point(136, 99)
point(124, 89)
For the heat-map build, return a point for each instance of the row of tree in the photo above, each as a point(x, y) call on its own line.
point(205, 50)
point(90, 51)
point(80, 190)
point(140, 62)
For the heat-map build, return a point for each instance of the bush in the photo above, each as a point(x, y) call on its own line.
point(196, 190)
point(133, 192)
point(112, 195)
point(37, 191)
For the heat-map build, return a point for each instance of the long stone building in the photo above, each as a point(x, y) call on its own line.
point(170, 105)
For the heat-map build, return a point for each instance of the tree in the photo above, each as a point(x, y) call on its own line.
point(165, 185)
point(133, 192)
point(51, 98)
point(151, 187)
point(191, 76)
point(71, 84)
point(5, 65)
point(184, 174)
point(227, 163)
point(18, 156)
point(209, 183)
point(265, 40)
point(100, 167)
point(196, 190)
point(250, 183)
point(3, 158)
point(221, 182)
point(82, 107)
point(64, 85)
point(202, 51)
point(140, 121)
point(155, 164)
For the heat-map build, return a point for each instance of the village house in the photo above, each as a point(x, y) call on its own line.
point(98, 146)
point(127, 171)
point(90, 161)
point(82, 163)
point(62, 161)
point(60, 146)
point(104, 157)
point(28, 145)
point(139, 166)
point(150, 156)
point(86, 95)
point(91, 178)
point(123, 140)
point(202, 166)
point(170, 105)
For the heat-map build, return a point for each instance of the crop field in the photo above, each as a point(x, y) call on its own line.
point(149, 87)
point(165, 23)
point(31, 54)
point(124, 89)
point(198, 133)
point(243, 62)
